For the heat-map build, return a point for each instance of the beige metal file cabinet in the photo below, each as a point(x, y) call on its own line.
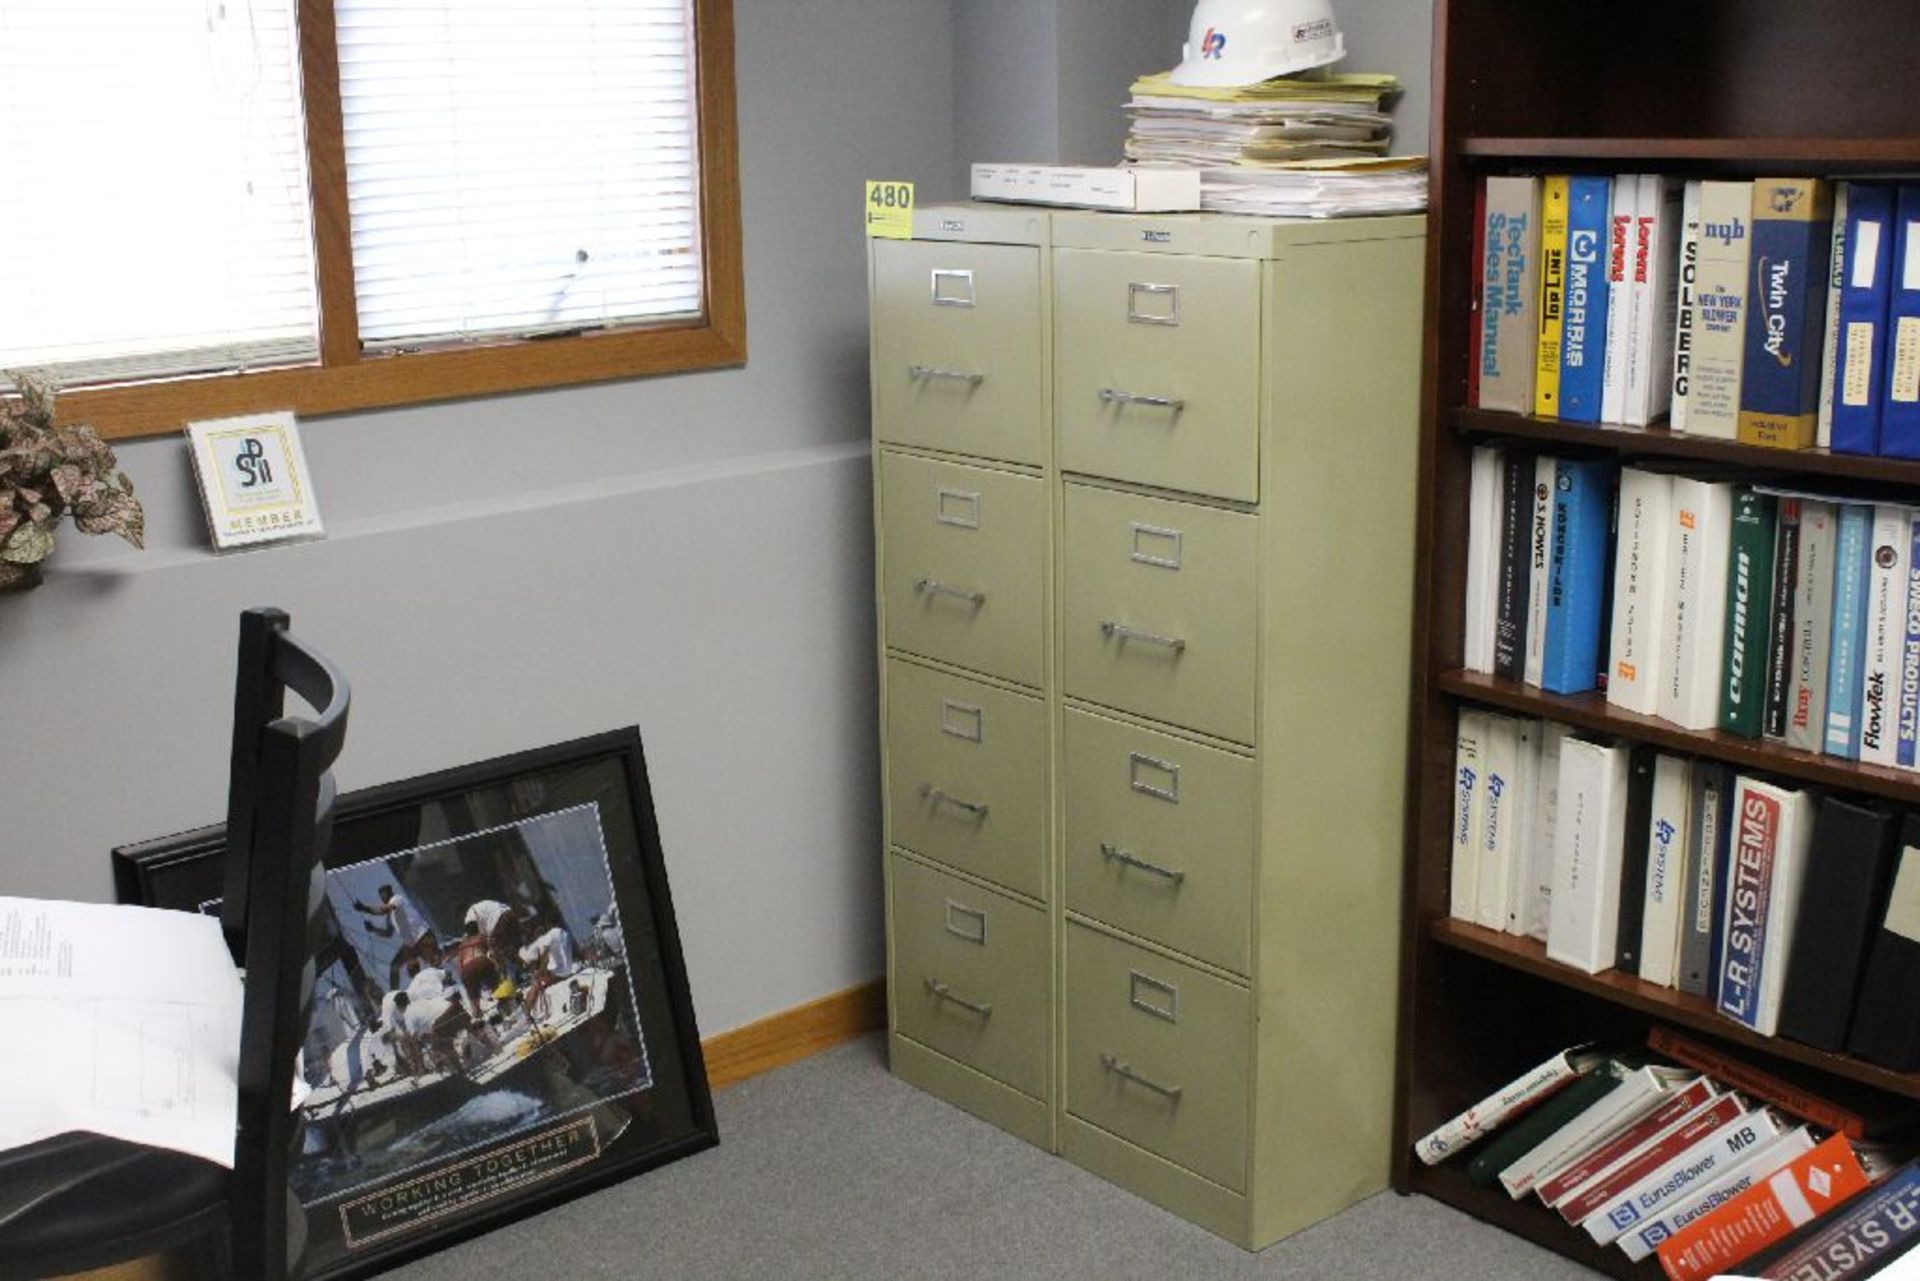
point(1144, 507)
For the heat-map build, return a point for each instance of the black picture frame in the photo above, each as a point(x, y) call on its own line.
point(561, 1104)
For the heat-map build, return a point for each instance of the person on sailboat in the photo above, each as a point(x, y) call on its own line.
point(404, 922)
point(551, 957)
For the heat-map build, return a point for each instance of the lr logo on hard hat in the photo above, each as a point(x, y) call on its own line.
point(1214, 44)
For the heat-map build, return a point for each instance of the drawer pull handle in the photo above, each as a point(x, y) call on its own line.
point(1126, 1073)
point(1121, 631)
point(921, 373)
point(936, 988)
point(937, 797)
point(934, 587)
point(1114, 854)
point(1114, 396)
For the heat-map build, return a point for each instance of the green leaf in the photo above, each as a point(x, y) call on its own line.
point(27, 545)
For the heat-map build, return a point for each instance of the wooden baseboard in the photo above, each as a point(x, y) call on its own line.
point(792, 1035)
point(732, 1057)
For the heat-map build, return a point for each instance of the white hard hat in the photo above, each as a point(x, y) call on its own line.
point(1242, 42)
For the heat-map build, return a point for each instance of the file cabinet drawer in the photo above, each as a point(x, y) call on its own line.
point(964, 556)
point(958, 348)
point(967, 775)
point(1160, 610)
point(1157, 1054)
point(1157, 370)
point(969, 975)
point(1160, 837)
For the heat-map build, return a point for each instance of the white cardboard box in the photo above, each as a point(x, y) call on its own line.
point(1127, 190)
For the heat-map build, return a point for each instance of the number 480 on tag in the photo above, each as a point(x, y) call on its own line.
point(890, 209)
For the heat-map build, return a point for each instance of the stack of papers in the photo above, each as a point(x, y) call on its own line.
point(1319, 188)
point(1280, 119)
point(1311, 147)
point(120, 1020)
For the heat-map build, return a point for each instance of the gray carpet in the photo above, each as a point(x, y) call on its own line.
point(833, 1168)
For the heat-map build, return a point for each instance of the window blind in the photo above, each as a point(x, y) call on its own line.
point(515, 168)
point(154, 216)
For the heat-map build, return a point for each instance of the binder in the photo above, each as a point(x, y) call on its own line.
point(1553, 284)
point(1900, 412)
point(1860, 342)
point(1851, 857)
point(1583, 332)
point(1582, 512)
point(1886, 1018)
point(1786, 312)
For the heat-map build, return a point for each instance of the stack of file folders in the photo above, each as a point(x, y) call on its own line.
point(1299, 147)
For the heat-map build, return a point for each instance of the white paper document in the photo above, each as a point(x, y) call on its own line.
point(120, 1020)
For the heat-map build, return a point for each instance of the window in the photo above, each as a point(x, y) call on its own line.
point(476, 196)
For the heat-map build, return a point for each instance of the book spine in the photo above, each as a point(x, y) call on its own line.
point(1469, 792)
point(1587, 848)
point(1510, 294)
point(1860, 324)
point(1686, 318)
point(1756, 839)
point(1477, 308)
point(1852, 847)
point(1728, 1185)
point(1720, 309)
point(1749, 591)
point(1886, 617)
point(1499, 758)
point(1483, 559)
point(1720, 1111)
point(1584, 322)
point(1540, 537)
point(1639, 590)
point(1695, 618)
point(1886, 1018)
point(1722, 874)
point(1856, 1240)
point(1780, 379)
point(1553, 285)
point(1846, 649)
point(1812, 626)
point(1786, 565)
point(1540, 850)
point(1516, 523)
point(1900, 405)
point(1783, 904)
point(1667, 872)
point(1836, 279)
point(1650, 346)
point(1520, 825)
point(1798, 1190)
point(1693, 1169)
point(1908, 739)
point(1582, 510)
point(1520, 1138)
point(1633, 860)
point(1621, 220)
point(1496, 1109)
point(1703, 833)
point(1575, 1176)
point(1736, 1074)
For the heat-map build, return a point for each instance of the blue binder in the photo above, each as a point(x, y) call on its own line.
point(1583, 331)
point(1576, 578)
point(1900, 413)
point(1860, 353)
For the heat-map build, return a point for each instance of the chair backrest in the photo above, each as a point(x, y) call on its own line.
point(279, 816)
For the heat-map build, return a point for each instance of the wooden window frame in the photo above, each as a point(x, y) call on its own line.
point(347, 379)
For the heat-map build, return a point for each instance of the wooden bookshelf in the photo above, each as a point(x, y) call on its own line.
point(1770, 87)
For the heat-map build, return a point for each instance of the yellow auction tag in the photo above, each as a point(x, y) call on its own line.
point(890, 210)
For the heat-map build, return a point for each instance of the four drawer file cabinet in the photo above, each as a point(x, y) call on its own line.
point(1144, 506)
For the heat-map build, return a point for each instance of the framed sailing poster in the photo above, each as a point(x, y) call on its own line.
point(501, 1018)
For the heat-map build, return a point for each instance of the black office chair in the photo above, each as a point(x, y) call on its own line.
point(79, 1201)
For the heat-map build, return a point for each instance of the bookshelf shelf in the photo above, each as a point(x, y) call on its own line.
point(1524, 1218)
point(1811, 154)
point(1658, 442)
point(1593, 712)
point(1782, 88)
point(1530, 955)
